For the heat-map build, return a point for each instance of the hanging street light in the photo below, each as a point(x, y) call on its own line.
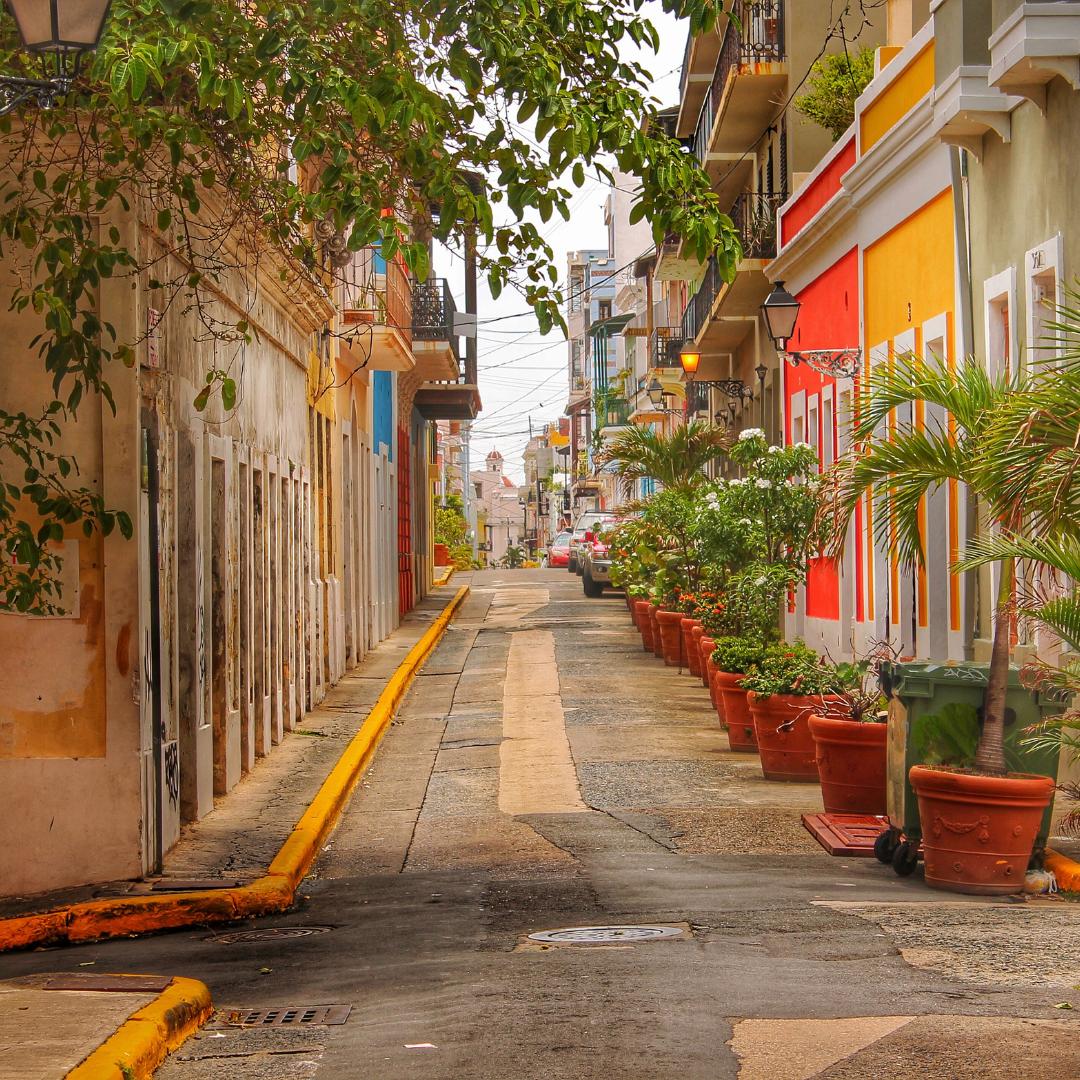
point(689, 357)
point(781, 312)
point(655, 392)
point(61, 32)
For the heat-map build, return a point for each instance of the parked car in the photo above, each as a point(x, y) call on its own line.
point(595, 558)
point(558, 553)
point(587, 521)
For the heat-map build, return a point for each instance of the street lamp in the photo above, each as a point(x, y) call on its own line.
point(689, 358)
point(64, 29)
point(781, 310)
point(761, 371)
point(655, 392)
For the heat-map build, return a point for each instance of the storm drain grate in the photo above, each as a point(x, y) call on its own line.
point(270, 933)
point(593, 935)
point(292, 1015)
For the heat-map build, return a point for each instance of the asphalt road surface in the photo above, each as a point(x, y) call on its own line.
point(545, 772)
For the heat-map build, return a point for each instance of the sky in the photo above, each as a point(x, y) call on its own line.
point(521, 373)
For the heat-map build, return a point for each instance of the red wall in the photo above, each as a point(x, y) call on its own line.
point(818, 192)
point(828, 319)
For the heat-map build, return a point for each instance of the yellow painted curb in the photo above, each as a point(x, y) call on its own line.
point(143, 914)
point(1065, 870)
point(142, 1043)
point(445, 576)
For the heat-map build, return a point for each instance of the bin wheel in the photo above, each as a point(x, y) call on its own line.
point(905, 858)
point(884, 846)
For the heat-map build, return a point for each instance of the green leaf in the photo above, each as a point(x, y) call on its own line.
point(228, 394)
point(164, 219)
point(119, 75)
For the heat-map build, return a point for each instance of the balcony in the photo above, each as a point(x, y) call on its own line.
point(754, 217)
point(447, 400)
point(374, 298)
point(670, 264)
point(699, 63)
point(697, 310)
point(435, 343)
point(748, 85)
point(664, 346)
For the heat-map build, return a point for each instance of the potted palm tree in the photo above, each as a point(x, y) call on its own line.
point(979, 821)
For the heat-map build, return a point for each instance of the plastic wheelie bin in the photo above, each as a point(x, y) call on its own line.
point(930, 714)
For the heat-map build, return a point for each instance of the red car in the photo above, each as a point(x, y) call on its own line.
point(559, 550)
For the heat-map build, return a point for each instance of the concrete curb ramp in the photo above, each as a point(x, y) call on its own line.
point(141, 1044)
point(445, 576)
point(265, 896)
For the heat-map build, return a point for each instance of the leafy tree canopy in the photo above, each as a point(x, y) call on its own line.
point(837, 80)
point(244, 126)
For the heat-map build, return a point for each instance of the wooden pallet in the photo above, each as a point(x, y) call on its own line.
point(846, 834)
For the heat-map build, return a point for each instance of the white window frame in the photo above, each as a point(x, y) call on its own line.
point(828, 426)
point(999, 295)
point(798, 417)
point(813, 423)
point(1041, 262)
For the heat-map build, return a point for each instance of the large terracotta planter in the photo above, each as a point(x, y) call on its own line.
point(697, 634)
point(657, 640)
point(644, 622)
point(690, 649)
point(717, 701)
point(707, 645)
point(671, 636)
point(784, 742)
point(731, 697)
point(978, 831)
point(851, 765)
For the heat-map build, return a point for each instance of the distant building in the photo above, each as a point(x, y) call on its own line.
point(498, 507)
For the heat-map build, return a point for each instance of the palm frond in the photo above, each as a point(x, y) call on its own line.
point(1062, 553)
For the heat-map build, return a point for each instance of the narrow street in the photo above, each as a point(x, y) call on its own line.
point(545, 772)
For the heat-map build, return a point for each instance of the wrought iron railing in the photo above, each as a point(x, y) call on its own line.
point(754, 217)
point(758, 39)
point(697, 310)
point(664, 346)
point(372, 290)
point(618, 412)
point(433, 311)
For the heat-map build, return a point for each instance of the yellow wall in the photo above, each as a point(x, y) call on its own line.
point(899, 98)
point(908, 273)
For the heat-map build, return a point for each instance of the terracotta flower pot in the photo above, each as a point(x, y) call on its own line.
point(707, 645)
point(657, 641)
point(670, 636)
point(698, 633)
point(690, 649)
point(784, 742)
point(644, 623)
point(851, 765)
point(731, 697)
point(978, 831)
point(717, 701)
point(703, 655)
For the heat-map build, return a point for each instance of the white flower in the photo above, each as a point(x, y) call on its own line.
point(751, 433)
point(760, 581)
point(775, 449)
point(804, 445)
point(762, 483)
point(745, 521)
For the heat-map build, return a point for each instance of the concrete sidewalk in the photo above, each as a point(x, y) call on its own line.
point(248, 826)
point(51, 1027)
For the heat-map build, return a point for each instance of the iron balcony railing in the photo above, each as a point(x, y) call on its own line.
point(618, 412)
point(754, 217)
point(372, 290)
point(759, 39)
point(700, 305)
point(664, 346)
point(433, 311)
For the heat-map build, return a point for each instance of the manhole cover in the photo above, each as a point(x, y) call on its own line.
point(270, 933)
point(307, 1015)
point(592, 935)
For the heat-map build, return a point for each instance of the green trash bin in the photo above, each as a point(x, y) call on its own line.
point(923, 700)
